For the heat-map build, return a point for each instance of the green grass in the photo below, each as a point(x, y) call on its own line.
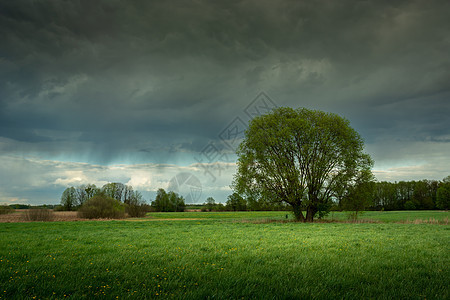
point(376, 216)
point(395, 216)
point(227, 215)
point(218, 257)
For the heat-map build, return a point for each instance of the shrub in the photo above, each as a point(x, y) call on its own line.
point(5, 209)
point(38, 214)
point(102, 206)
point(136, 210)
point(136, 207)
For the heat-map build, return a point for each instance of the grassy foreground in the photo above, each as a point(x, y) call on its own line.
point(222, 258)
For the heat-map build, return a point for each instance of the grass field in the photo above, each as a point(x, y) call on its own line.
point(369, 216)
point(226, 255)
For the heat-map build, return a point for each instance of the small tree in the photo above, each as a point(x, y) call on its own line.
point(136, 207)
point(166, 202)
point(176, 202)
point(359, 195)
point(210, 203)
point(69, 199)
point(161, 202)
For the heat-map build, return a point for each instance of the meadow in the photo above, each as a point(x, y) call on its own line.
point(226, 255)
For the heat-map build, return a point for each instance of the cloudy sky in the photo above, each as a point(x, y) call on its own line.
point(153, 93)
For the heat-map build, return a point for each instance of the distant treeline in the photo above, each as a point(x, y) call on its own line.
point(410, 195)
point(235, 202)
point(402, 195)
point(28, 206)
point(74, 197)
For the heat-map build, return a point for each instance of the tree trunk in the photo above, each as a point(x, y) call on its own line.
point(310, 213)
point(298, 213)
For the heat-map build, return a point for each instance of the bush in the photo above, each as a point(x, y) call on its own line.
point(102, 207)
point(5, 209)
point(136, 207)
point(136, 210)
point(39, 214)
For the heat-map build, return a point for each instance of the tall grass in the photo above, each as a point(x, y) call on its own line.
point(38, 214)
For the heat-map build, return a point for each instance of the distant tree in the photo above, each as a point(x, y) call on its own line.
point(405, 190)
point(114, 190)
point(136, 207)
point(166, 202)
point(385, 196)
point(300, 157)
point(20, 206)
point(210, 203)
point(91, 190)
point(236, 203)
point(422, 195)
point(69, 199)
point(176, 201)
point(161, 202)
point(443, 194)
point(220, 207)
point(359, 195)
point(128, 194)
point(85, 192)
point(253, 204)
point(81, 194)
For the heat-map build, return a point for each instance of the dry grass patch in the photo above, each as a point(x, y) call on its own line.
point(427, 221)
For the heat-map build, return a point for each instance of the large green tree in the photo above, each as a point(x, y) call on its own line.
point(301, 157)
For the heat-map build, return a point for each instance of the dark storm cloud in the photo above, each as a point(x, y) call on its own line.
point(104, 81)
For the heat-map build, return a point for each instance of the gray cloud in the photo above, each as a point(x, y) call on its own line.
point(149, 81)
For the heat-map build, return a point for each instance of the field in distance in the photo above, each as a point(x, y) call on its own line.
point(226, 255)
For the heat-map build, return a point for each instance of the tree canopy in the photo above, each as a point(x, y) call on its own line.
point(302, 157)
point(168, 201)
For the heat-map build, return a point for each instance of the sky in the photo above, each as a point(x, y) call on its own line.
point(156, 94)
